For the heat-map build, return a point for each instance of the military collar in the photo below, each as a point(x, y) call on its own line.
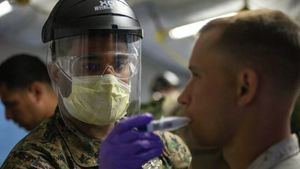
point(83, 150)
point(277, 153)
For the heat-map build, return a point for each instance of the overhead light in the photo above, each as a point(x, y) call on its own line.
point(5, 8)
point(193, 28)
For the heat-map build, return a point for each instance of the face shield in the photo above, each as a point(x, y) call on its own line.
point(99, 75)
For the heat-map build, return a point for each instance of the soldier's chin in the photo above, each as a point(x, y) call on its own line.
point(26, 127)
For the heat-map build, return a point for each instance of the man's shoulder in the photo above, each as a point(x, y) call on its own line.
point(175, 149)
point(290, 163)
point(42, 142)
point(46, 133)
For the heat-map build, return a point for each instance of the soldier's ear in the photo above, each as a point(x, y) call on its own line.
point(37, 90)
point(247, 86)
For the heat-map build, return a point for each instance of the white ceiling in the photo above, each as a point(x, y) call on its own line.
point(22, 27)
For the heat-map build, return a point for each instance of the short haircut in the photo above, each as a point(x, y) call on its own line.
point(21, 70)
point(266, 40)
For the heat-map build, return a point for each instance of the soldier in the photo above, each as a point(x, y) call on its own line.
point(26, 91)
point(244, 85)
point(94, 65)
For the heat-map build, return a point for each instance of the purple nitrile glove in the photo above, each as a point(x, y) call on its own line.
point(128, 148)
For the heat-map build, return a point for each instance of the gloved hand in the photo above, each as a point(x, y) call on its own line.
point(128, 148)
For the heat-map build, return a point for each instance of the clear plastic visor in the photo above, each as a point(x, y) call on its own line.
point(96, 54)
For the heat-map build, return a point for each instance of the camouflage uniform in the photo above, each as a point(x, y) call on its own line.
point(154, 107)
point(55, 145)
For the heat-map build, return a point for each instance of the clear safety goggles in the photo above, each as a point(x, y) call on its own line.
point(98, 54)
point(122, 65)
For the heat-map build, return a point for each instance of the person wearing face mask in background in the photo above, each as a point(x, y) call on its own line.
point(94, 64)
point(26, 91)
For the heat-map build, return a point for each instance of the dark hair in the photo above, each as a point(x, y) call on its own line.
point(21, 70)
point(266, 40)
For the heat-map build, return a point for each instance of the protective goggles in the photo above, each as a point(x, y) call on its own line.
point(98, 54)
point(122, 65)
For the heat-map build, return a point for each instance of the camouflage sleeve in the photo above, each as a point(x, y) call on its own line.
point(26, 160)
point(176, 151)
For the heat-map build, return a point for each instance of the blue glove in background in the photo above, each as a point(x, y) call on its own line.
point(128, 148)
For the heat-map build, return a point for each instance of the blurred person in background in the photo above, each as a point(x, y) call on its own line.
point(26, 91)
point(164, 93)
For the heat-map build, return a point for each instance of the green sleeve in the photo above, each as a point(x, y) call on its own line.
point(176, 152)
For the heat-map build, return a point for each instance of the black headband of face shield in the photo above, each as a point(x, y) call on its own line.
point(118, 37)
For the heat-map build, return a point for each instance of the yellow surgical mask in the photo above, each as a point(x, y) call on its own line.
point(98, 100)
